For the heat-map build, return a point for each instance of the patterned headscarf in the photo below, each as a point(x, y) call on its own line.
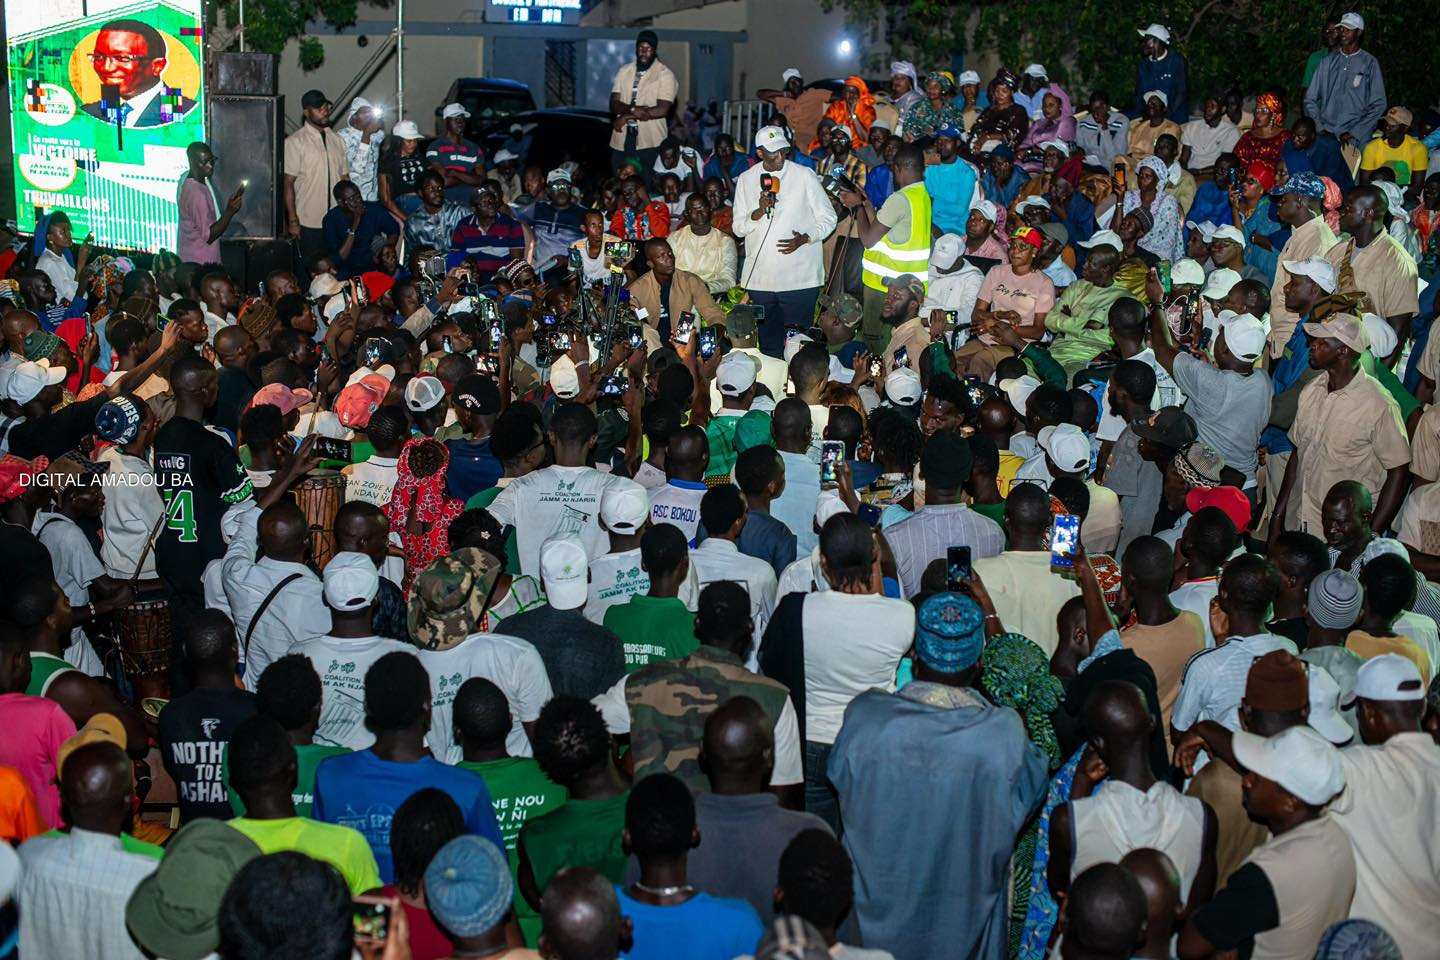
point(419, 495)
point(1274, 104)
point(12, 468)
point(943, 77)
point(1017, 675)
point(839, 111)
point(1156, 166)
point(10, 292)
point(1331, 202)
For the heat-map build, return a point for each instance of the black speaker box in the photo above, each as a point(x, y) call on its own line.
point(251, 261)
point(245, 74)
point(247, 136)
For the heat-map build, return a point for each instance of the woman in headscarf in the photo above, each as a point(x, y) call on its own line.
point(1004, 120)
point(56, 257)
point(936, 110)
point(1250, 209)
point(1057, 122)
point(1166, 238)
point(855, 111)
point(419, 510)
point(1016, 674)
point(1265, 141)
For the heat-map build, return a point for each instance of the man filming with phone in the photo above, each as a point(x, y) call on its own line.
point(202, 221)
point(664, 293)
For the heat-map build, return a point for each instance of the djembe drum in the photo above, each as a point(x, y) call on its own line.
point(143, 634)
point(319, 497)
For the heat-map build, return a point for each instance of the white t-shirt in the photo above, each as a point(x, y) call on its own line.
point(677, 503)
point(342, 663)
point(717, 559)
point(554, 502)
point(510, 663)
point(372, 481)
point(649, 476)
point(852, 642)
point(131, 510)
point(616, 577)
point(76, 567)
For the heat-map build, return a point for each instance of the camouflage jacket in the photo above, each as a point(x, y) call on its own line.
point(670, 700)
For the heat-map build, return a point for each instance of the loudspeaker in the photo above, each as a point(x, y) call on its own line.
point(247, 136)
point(251, 261)
point(244, 74)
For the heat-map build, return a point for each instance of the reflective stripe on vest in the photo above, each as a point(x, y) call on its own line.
point(887, 260)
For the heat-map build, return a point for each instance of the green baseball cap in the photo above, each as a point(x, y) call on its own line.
point(447, 600)
point(846, 308)
point(174, 912)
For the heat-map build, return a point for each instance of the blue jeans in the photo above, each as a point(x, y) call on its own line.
point(785, 309)
point(820, 797)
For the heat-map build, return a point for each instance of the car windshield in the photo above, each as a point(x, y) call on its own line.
point(493, 104)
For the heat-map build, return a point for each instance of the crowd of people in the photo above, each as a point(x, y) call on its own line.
point(945, 526)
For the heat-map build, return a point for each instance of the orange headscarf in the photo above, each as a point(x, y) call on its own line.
point(839, 111)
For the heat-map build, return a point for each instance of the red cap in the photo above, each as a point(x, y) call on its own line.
point(1029, 235)
point(360, 399)
point(377, 284)
point(1235, 504)
point(1263, 173)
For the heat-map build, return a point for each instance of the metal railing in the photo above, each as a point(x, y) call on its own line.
point(741, 118)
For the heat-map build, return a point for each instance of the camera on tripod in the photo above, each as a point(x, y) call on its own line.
point(835, 183)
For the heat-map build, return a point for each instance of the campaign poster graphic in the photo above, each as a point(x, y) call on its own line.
point(104, 99)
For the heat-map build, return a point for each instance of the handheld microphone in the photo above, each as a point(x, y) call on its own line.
point(771, 186)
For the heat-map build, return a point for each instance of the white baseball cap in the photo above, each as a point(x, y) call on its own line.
point(1067, 446)
point(788, 73)
point(1298, 759)
point(1018, 389)
point(827, 505)
point(27, 378)
point(351, 581)
point(736, 373)
point(794, 340)
point(1382, 336)
point(1158, 31)
point(1205, 228)
point(1060, 145)
point(1245, 334)
point(772, 139)
point(1387, 678)
point(564, 378)
point(1228, 232)
point(1032, 201)
point(987, 210)
point(1318, 269)
point(1104, 238)
point(1159, 95)
point(947, 251)
point(625, 506)
point(423, 393)
point(1353, 21)
point(1324, 706)
point(406, 130)
point(1187, 272)
point(454, 110)
point(969, 76)
point(324, 285)
point(564, 573)
point(1036, 70)
point(902, 386)
point(502, 155)
point(1219, 282)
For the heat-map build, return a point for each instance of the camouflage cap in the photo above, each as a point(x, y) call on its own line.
point(447, 600)
point(845, 307)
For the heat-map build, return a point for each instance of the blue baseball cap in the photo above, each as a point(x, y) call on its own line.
point(949, 130)
point(1305, 183)
point(949, 632)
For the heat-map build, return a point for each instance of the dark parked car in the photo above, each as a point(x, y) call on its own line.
point(565, 133)
point(488, 99)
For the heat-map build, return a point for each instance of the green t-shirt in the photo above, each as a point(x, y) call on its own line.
point(308, 756)
point(518, 792)
point(580, 833)
point(127, 843)
point(482, 500)
point(1404, 398)
point(995, 511)
point(652, 628)
point(720, 432)
point(341, 847)
point(43, 667)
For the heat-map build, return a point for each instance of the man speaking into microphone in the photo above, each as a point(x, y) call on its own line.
point(784, 215)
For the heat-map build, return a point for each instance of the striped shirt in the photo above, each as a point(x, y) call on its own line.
point(924, 537)
point(490, 249)
point(1214, 680)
